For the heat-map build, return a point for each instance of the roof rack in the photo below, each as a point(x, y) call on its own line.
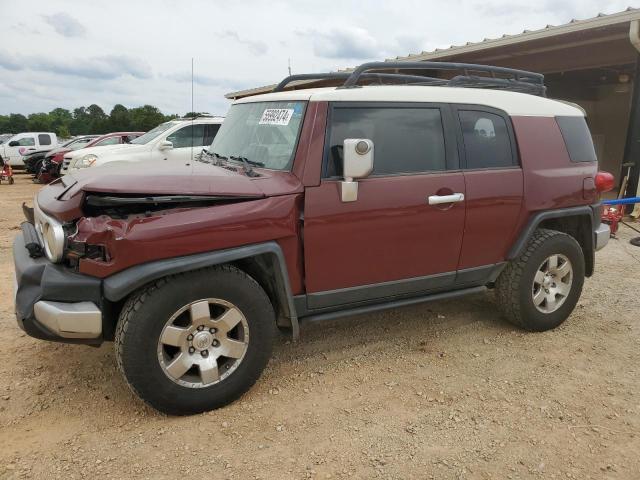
point(401, 78)
point(499, 78)
point(198, 117)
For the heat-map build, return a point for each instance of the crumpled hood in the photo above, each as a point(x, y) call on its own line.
point(155, 177)
point(63, 199)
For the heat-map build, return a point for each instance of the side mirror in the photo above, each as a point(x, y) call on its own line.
point(14, 143)
point(357, 163)
point(165, 145)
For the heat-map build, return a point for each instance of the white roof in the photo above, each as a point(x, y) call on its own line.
point(513, 103)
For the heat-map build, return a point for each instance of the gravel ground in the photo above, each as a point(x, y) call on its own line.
point(443, 390)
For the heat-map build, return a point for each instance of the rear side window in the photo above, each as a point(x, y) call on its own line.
point(210, 132)
point(486, 140)
point(406, 140)
point(44, 139)
point(577, 138)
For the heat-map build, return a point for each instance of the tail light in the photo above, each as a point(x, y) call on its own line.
point(604, 182)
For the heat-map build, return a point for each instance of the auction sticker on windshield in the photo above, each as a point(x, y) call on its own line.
point(276, 116)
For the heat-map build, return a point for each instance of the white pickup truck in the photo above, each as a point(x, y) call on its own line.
point(176, 140)
point(15, 148)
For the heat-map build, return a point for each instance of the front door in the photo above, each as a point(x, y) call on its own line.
point(20, 146)
point(398, 238)
point(187, 141)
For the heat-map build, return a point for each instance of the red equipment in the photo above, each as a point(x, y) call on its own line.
point(6, 173)
point(612, 215)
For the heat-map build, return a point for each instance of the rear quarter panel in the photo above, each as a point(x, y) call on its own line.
point(551, 179)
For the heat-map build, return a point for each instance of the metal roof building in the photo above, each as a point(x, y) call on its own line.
point(592, 62)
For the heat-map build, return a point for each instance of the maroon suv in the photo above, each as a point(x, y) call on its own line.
point(313, 204)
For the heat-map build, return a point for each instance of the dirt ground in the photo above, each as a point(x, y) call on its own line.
point(438, 391)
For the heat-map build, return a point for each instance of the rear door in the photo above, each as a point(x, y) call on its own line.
point(45, 141)
point(494, 186)
point(390, 242)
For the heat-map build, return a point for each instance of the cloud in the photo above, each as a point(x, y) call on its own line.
point(65, 25)
point(106, 67)
point(344, 43)
point(208, 81)
point(255, 47)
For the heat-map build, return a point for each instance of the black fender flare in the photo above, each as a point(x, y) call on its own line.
point(591, 212)
point(119, 285)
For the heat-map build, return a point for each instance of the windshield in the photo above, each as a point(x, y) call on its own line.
point(264, 133)
point(151, 134)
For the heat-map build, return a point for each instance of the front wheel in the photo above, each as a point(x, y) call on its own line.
point(539, 290)
point(197, 341)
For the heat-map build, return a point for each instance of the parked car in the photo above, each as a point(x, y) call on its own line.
point(52, 164)
point(13, 149)
point(312, 205)
point(33, 161)
point(176, 140)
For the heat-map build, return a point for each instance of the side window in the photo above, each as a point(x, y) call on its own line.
point(406, 140)
point(108, 141)
point(44, 139)
point(27, 142)
point(183, 138)
point(486, 140)
point(129, 138)
point(210, 133)
point(577, 138)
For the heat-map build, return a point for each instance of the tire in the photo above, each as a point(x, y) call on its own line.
point(11, 181)
point(521, 291)
point(147, 363)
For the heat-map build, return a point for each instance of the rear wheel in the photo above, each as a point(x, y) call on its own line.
point(540, 289)
point(197, 341)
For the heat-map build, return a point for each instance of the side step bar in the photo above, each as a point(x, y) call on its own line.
point(391, 304)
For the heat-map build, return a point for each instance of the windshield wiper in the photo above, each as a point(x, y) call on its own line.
point(247, 164)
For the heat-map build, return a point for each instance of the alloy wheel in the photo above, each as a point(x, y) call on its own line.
point(552, 283)
point(203, 343)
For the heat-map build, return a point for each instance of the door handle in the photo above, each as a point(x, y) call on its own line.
point(440, 199)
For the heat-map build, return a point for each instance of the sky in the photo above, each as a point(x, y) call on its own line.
point(61, 53)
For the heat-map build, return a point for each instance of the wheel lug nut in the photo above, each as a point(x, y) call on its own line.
point(213, 330)
point(204, 353)
point(190, 337)
point(192, 350)
point(215, 343)
point(200, 328)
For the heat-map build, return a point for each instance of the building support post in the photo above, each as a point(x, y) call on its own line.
point(632, 146)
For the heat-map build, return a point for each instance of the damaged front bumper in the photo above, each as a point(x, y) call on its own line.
point(52, 302)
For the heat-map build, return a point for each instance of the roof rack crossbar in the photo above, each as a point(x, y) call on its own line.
point(511, 74)
point(396, 77)
point(472, 81)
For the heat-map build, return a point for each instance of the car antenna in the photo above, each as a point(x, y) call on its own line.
point(192, 111)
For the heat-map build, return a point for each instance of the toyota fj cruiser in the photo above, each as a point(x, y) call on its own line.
point(313, 204)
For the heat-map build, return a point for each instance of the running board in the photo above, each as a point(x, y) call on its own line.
point(391, 304)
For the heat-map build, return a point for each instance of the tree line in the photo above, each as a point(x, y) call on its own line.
point(86, 120)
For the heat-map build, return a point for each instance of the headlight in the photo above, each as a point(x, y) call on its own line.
point(50, 232)
point(86, 161)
